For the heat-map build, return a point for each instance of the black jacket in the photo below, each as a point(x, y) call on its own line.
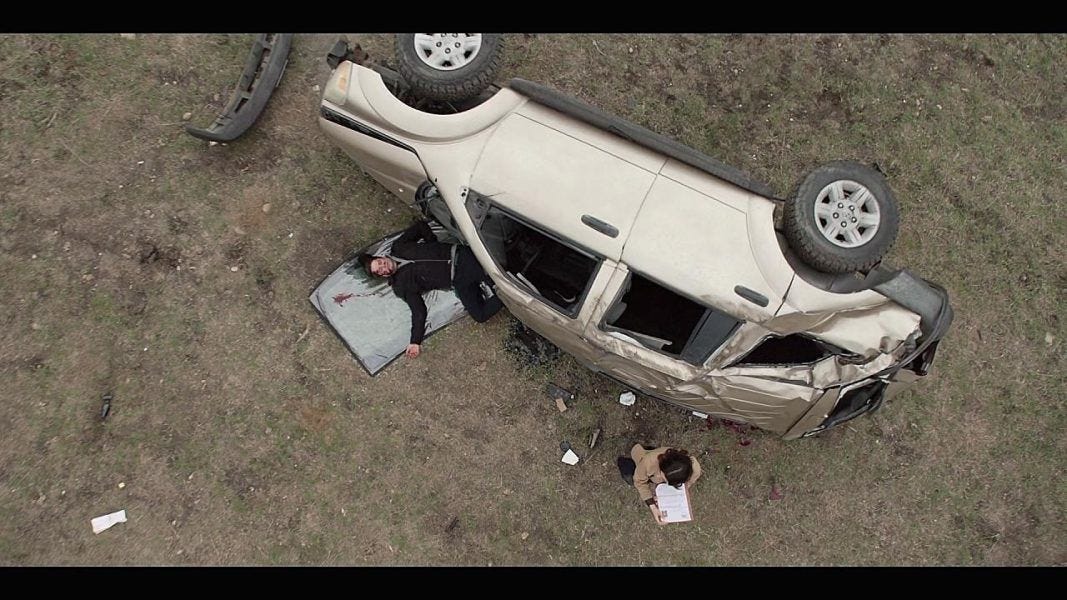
point(431, 271)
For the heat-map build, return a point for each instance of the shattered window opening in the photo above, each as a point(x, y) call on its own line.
point(553, 271)
point(665, 321)
point(794, 349)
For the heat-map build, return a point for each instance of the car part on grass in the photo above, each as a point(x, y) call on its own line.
point(530, 348)
point(595, 437)
point(843, 218)
point(449, 67)
point(263, 72)
point(558, 393)
point(341, 52)
point(105, 408)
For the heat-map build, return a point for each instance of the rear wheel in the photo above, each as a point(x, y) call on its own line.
point(843, 218)
point(448, 67)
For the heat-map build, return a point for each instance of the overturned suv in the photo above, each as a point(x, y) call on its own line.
point(646, 260)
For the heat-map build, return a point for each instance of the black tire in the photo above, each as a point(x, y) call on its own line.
point(806, 238)
point(449, 86)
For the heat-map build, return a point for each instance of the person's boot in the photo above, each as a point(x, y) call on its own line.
point(626, 468)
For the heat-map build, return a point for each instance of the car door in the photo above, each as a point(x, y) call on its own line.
point(653, 338)
point(548, 282)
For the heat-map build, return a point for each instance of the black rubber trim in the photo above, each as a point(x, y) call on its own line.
point(336, 117)
point(638, 135)
point(600, 226)
point(846, 409)
point(916, 295)
point(263, 71)
point(751, 295)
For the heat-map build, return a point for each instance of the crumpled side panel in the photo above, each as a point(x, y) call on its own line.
point(766, 403)
point(865, 331)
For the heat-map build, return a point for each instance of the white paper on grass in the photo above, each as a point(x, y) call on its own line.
point(570, 458)
point(627, 398)
point(673, 503)
point(106, 521)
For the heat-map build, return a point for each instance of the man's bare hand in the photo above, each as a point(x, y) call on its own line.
point(413, 350)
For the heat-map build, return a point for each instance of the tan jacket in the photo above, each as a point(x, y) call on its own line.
point(648, 476)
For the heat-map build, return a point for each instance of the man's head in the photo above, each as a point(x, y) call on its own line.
point(380, 266)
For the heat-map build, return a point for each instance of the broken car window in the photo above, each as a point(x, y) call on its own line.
point(555, 272)
point(665, 321)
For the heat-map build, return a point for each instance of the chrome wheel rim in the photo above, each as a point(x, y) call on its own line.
point(847, 214)
point(447, 51)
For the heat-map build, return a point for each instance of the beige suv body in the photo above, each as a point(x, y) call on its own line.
point(642, 258)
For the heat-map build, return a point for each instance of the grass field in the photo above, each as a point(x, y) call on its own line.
point(242, 432)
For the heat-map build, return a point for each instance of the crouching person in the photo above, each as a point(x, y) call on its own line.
point(649, 466)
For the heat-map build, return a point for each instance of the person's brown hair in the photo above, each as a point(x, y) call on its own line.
point(365, 259)
point(676, 465)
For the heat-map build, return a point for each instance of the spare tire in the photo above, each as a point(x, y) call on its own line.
point(843, 218)
point(448, 67)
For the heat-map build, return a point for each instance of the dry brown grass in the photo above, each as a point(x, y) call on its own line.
point(240, 443)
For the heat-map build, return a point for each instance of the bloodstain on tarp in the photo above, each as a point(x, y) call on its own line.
point(340, 298)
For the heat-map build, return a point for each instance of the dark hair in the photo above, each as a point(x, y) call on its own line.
point(364, 259)
point(676, 465)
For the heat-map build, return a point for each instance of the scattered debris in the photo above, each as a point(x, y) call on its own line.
point(105, 409)
point(128, 36)
point(315, 88)
point(528, 347)
point(452, 525)
point(140, 162)
point(303, 335)
point(187, 116)
point(234, 269)
point(699, 415)
point(627, 398)
point(212, 143)
point(570, 458)
point(102, 523)
point(524, 535)
point(560, 395)
point(122, 485)
point(1049, 338)
point(266, 207)
point(595, 438)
